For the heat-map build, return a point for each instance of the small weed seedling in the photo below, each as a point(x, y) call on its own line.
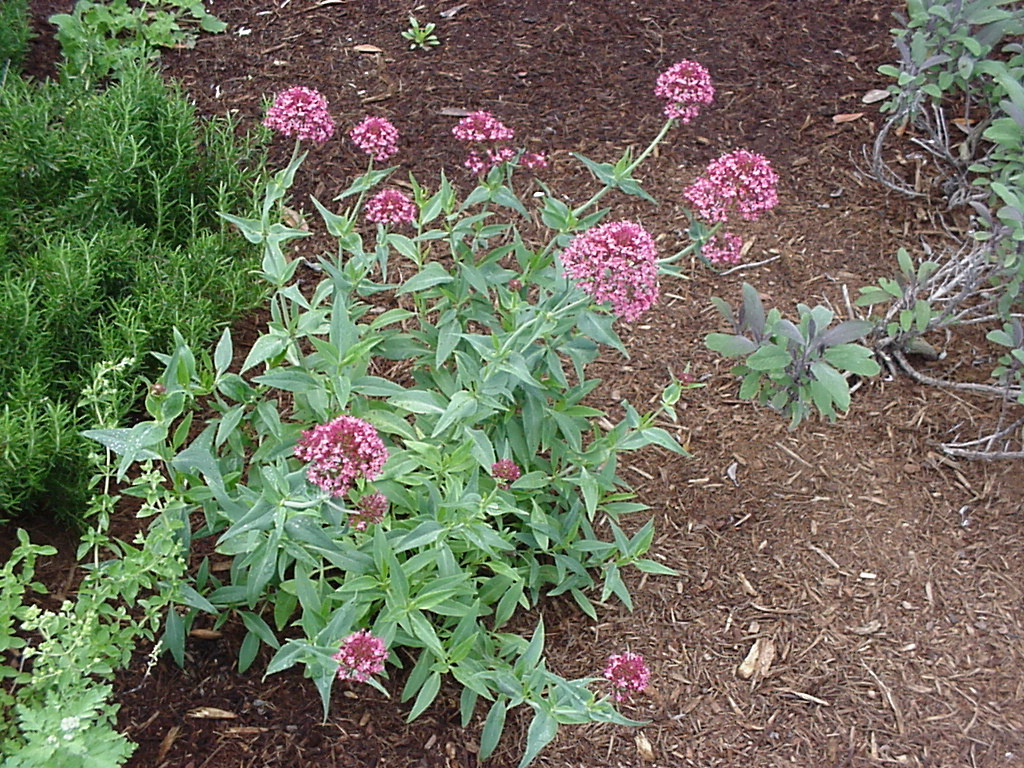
point(420, 37)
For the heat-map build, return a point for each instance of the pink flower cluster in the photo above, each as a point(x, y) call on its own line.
point(482, 128)
point(376, 136)
point(361, 656)
point(627, 673)
point(685, 85)
point(301, 112)
point(390, 206)
point(535, 160)
point(505, 471)
point(369, 511)
point(616, 262)
point(740, 180)
point(723, 249)
point(340, 452)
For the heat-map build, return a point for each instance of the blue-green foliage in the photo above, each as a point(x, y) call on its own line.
point(967, 55)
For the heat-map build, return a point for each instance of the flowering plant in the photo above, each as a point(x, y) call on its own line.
point(403, 521)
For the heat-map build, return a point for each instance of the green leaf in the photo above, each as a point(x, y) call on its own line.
point(423, 630)
point(584, 603)
point(427, 532)
point(210, 23)
point(482, 449)
point(853, 358)
point(493, 726)
point(769, 358)
point(507, 605)
point(266, 347)
point(729, 345)
point(223, 353)
point(834, 381)
point(432, 274)
point(289, 380)
point(531, 657)
point(752, 310)
point(462, 405)
point(133, 442)
point(174, 636)
point(591, 491)
point(285, 658)
point(248, 650)
point(651, 566)
point(542, 730)
point(419, 401)
point(845, 332)
point(426, 696)
point(872, 295)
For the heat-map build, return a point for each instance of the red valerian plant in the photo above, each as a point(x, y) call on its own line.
point(628, 674)
point(301, 112)
point(686, 86)
point(389, 206)
point(340, 452)
point(505, 471)
point(369, 511)
point(376, 136)
point(740, 181)
point(495, 474)
point(361, 656)
point(723, 249)
point(618, 263)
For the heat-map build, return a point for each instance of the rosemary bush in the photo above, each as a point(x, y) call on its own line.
point(108, 197)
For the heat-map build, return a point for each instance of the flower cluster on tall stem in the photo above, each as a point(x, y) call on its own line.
point(628, 674)
point(361, 656)
point(376, 136)
point(739, 181)
point(340, 452)
point(301, 112)
point(488, 138)
point(685, 86)
point(389, 206)
point(724, 249)
point(617, 263)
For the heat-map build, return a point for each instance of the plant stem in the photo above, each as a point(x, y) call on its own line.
point(629, 171)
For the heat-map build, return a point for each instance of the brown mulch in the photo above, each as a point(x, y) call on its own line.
point(887, 579)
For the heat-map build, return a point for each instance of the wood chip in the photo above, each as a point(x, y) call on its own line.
point(205, 634)
point(211, 713)
point(868, 629)
point(453, 10)
point(643, 747)
point(805, 696)
point(367, 48)
point(848, 117)
point(745, 585)
point(758, 660)
point(167, 742)
point(874, 96)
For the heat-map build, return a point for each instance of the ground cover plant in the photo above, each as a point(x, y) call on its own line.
point(108, 241)
point(105, 249)
point(843, 595)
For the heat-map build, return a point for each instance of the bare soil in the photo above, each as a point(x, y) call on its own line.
point(886, 577)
